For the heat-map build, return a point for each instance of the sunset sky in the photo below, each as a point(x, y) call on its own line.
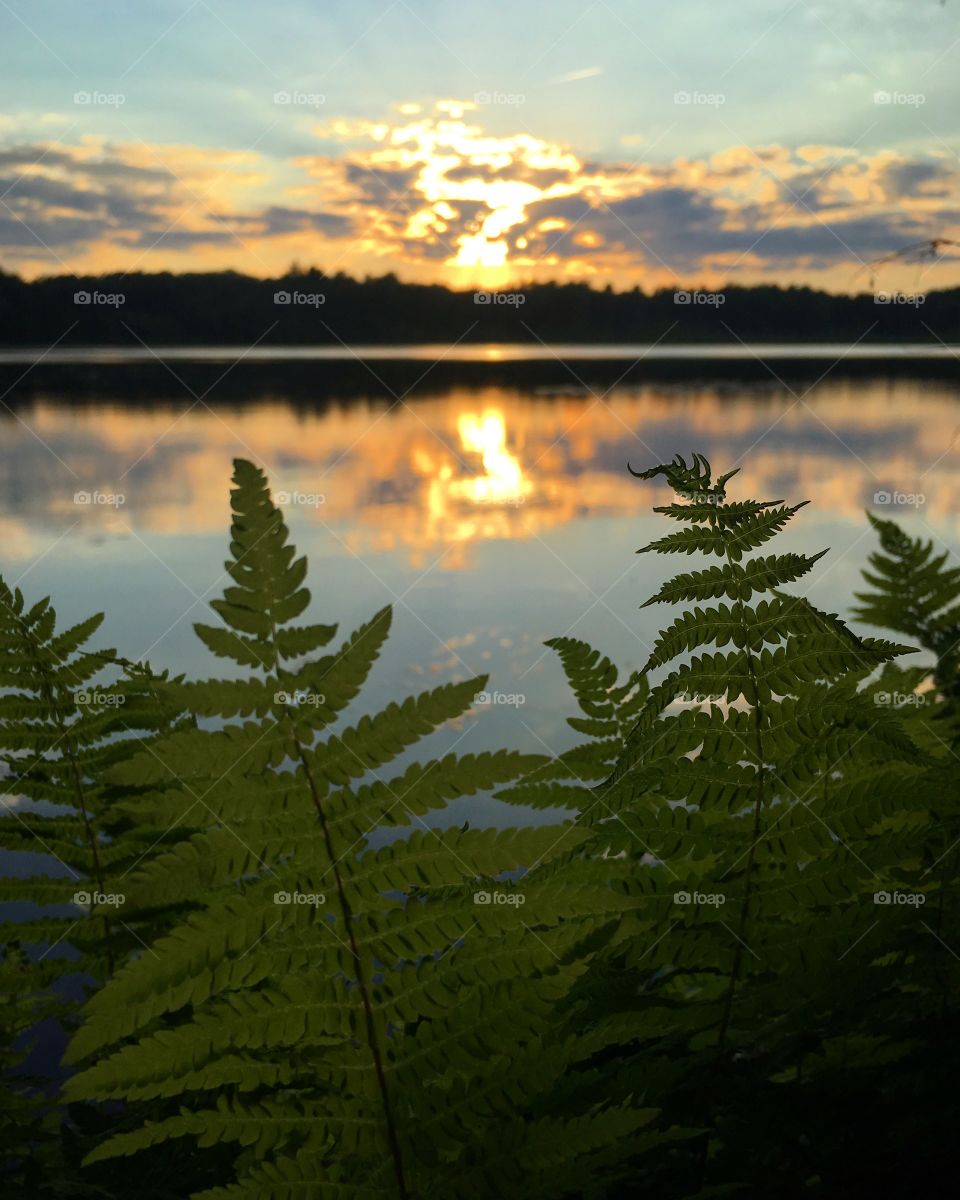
point(625, 143)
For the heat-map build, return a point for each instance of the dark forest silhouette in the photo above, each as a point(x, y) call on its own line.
point(230, 308)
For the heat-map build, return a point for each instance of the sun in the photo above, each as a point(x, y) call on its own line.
point(477, 250)
point(475, 189)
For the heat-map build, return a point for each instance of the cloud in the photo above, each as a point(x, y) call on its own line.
point(432, 194)
point(140, 203)
point(933, 179)
point(521, 203)
point(277, 221)
point(575, 76)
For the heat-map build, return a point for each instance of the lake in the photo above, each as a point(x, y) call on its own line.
point(491, 514)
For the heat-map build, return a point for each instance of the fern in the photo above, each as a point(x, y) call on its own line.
point(60, 733)
point(61, 729)
point(740, 778)
point(916, 593)
point(29, 1136)
point(363, 1042)
point(680, 980)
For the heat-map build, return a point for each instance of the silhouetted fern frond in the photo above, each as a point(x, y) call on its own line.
point(915, 592)
point(347, 1014)
point(61, 731)
point(722, 798)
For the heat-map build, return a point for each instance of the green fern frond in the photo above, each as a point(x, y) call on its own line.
point(916, 593)
point(337, 1026)
point(738, 778)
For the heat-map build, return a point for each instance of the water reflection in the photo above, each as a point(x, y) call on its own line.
point(502, 481)
point(492, 518)
point(449, 471)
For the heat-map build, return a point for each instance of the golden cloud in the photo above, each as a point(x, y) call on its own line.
point(431, 193)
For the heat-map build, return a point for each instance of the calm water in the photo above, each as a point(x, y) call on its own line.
point(484, 352)
point(492, 518)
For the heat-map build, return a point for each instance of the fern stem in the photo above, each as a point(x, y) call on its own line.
point(97, 870)
point(362, 985)
point(346, 913)
point(89, 832)
point(757, 712)
point(736, 965)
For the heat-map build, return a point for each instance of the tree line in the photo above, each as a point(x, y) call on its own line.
point(309, 307)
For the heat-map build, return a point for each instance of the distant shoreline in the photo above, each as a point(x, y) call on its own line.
point(331, 313)
point(483, 353)
point(316, 377)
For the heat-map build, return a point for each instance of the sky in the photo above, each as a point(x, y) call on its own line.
point(618, 143)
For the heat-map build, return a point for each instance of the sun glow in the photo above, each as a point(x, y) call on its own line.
point(503, 481)
point(476, 250)
point(461, 508)
point(474, 189)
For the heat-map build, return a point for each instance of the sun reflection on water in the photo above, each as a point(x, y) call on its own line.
point(463, 505)
point(467, 466)
point(503, 481)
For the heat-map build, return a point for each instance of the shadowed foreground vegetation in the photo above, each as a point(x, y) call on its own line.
point(731, 970)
